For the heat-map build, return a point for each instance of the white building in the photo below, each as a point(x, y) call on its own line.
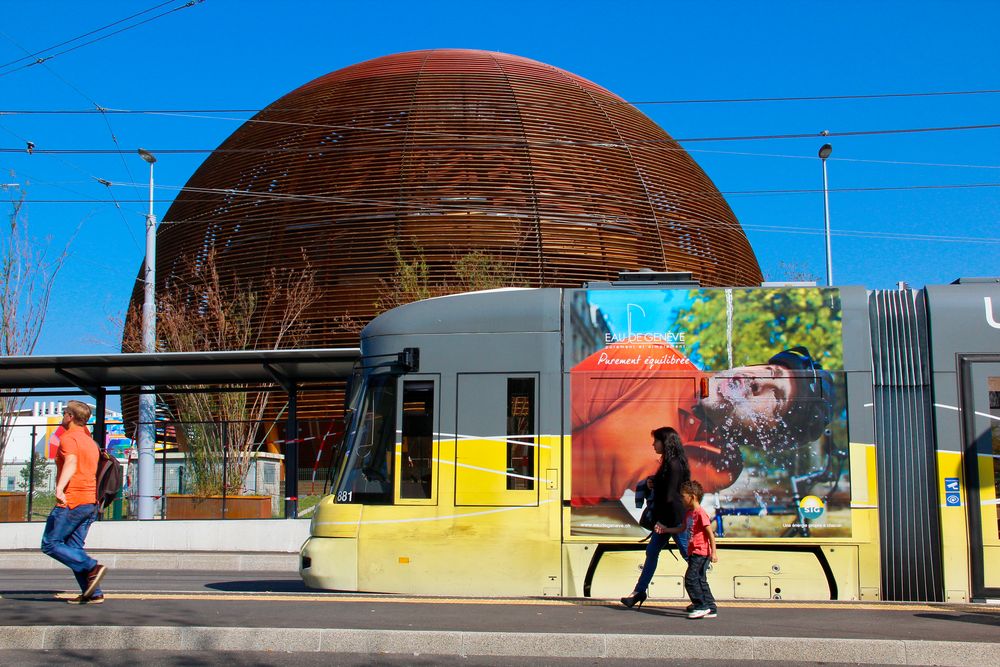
point(30, 430)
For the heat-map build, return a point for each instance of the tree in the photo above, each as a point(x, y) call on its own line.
point(756, 324)
point(793, 272)
point(27, 275)
point(37, 469)
point(216, 312)
point(412, 280)
point(740, 327)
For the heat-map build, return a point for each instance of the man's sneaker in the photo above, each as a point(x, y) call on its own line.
point(711, 613)
point(94, 579)
point(701, 613)
point(79, 599)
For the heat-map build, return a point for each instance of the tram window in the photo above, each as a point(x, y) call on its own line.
point(368, 472)
point(520, 434)
point(416, 468)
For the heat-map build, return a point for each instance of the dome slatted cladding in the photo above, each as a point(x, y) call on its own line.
point(445, 153)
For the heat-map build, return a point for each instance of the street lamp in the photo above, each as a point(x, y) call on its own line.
point(824, 153)
point(147, 399)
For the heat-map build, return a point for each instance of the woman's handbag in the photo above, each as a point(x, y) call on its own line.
point(643, 492)
point(646, 519)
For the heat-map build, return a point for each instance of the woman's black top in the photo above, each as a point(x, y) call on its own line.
point(668, 508)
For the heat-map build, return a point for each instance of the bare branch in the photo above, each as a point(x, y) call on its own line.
point(216, 312)
point(27, 275)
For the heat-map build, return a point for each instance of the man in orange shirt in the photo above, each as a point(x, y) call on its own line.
point(76, 504)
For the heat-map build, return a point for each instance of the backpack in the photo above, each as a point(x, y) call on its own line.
point(109, 479)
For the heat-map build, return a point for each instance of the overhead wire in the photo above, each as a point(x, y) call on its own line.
point(724, 100)
point(910, 163)
point(499, 210)
point(326, 148)
point(334, 199)
point(86, 34)
point(304, 220)
point(499, 141)
point(105, 112)
point(99, 109)
point(783, 229)
point(90, 178)
point(693, 194)
point(39, 61)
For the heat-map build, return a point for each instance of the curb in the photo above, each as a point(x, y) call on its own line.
point(158, 560)
point(501, 644)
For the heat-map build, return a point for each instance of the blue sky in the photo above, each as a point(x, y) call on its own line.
point(892, 219)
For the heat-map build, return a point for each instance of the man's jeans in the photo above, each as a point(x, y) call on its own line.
point(656, 543)
point(65, 532)
point(696, 582)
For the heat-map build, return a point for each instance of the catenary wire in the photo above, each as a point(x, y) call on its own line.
point(36, 54)
point(335, 199)
point(747, 227)
point(724, 100)
point(99, 109)
point(909, 163)
point(710, 223)
point(40, 61)
point(79, 169)
point(498, 142)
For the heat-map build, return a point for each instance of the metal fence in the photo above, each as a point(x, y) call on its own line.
point(202, 470)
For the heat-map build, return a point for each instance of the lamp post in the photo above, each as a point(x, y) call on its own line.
point(824, 153)
point(147, 399)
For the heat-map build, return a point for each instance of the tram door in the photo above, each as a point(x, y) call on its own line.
point(981, 402)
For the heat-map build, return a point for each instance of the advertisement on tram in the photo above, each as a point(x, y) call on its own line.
point(751, 379)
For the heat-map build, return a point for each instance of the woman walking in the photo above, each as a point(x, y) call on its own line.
point(668, 508)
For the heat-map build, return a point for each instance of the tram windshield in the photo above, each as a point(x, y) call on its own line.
point(365, 465)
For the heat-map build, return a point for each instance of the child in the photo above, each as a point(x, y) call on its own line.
point(701, 550)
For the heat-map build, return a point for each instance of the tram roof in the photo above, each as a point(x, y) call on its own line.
point(285, 367)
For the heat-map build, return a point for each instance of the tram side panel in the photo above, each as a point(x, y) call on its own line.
point(964, 322)
point(794, 521)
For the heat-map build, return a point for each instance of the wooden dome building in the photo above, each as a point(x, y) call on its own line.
point(438, 155)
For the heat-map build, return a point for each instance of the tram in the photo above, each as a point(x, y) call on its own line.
point(848, 441)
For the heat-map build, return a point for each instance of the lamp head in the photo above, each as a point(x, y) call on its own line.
point(825, 150)
point(147, 156)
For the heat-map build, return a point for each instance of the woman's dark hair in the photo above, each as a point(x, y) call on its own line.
point(673, 450)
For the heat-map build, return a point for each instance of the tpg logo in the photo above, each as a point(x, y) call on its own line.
point(811, 507)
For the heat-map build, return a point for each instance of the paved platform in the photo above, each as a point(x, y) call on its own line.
point(214, 611)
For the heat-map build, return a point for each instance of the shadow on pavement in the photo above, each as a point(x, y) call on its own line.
point(981, 619)
point(260, 586)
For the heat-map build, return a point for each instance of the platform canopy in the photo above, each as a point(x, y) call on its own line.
point(128, 371)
